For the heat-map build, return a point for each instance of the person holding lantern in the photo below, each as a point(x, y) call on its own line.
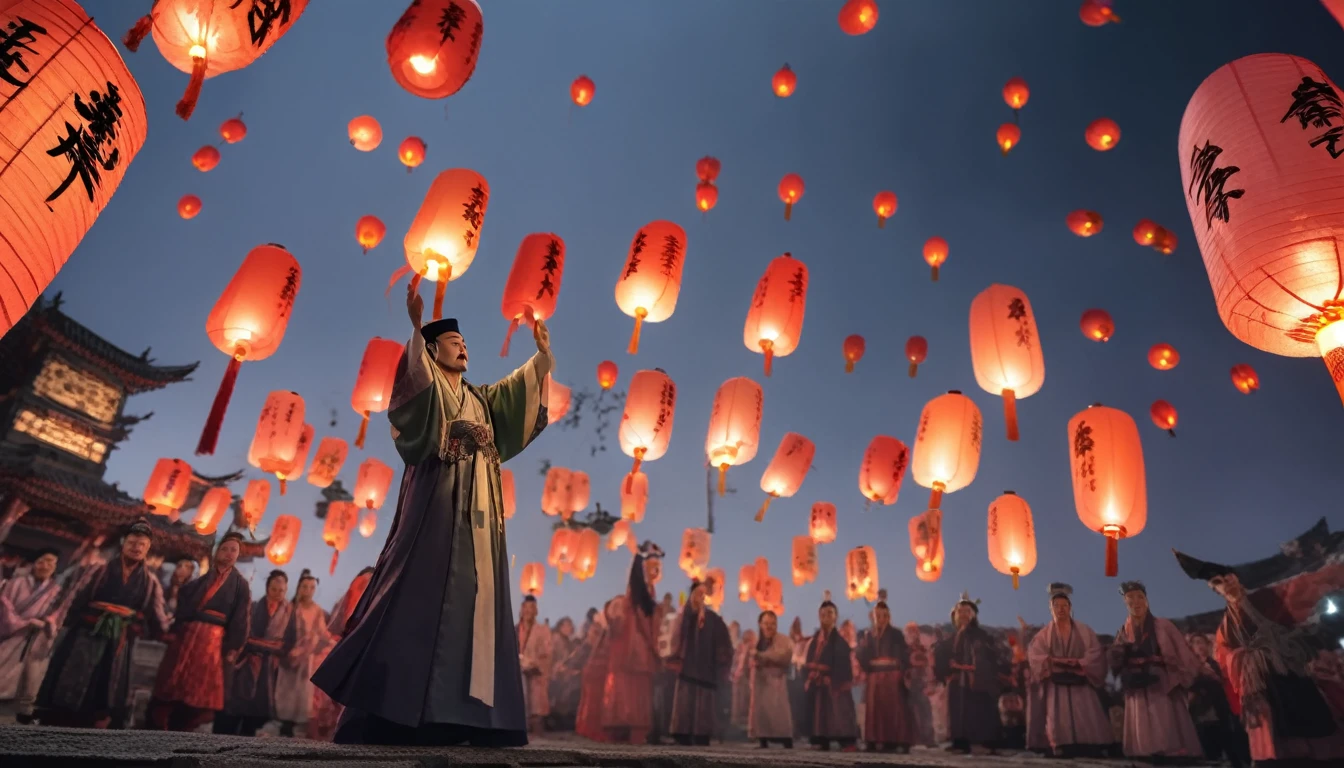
point(249, 687)
point(209, 628)
point(972, 683)
point(828, 711)
point(1067, 660)
point(701, 655)
point(402, 678)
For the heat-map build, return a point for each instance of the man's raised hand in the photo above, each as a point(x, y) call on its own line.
point(415, 306)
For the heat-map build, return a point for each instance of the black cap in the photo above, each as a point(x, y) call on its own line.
point(1132, 586)
point(141, 527)
point(432, 331)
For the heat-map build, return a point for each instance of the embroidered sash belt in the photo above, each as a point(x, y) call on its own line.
point(467, 438)
point(210, 617)
point(263, 646)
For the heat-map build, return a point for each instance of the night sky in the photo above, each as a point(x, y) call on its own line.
point(911, 107)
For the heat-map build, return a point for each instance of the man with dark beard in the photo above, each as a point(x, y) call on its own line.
point(972, 683)
point(701, 654)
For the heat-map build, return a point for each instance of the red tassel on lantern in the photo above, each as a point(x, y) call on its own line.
point(335, 557)
point(513, 326)
point(213, 422)
point(138, 33)
point(188, 103)
point(363, 431)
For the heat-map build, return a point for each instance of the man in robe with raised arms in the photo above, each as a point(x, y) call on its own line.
point(430, 655)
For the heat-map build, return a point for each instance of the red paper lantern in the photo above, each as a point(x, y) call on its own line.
point(284, 539)
point(707, 169)
point(1109, 486)
point(1096, 13)
point(650, 282)
point(558, 398)
point(369, 231)
point(1084, 223)
point(1097, 325)
point(706, 196)
point(947, 445)
point(533, 581)
point(916, 351)
point(188, 206)
point(507, 493)
point(785, 473)
point(581, 90)
point(853, 349)
point(368, 523)
point(534, 281)
point(280, 427)
point(883, 469)
point(821, 524)
point(1008, 137)
point(373, 384)
point(561, 552)
point(411, 152)
point(935, 253)
point(621, 536)
point(926, 544)
point(372, 483)
point(256, 497)
point(587, 547)
point(211, 510)
point(168, 486)
point(734, 426)
point(695, 549)
point(858, 17)
point(1006, 348)
point(804, 560)
point(341, 516)
point(1163, 356)
point(861, 579)
point(1016, 92)
point(1011, 536)
point(432, 49)
point(775, 317)
point(206, 158)
point(327, 461)
point(1164, 416)
point(446, 231)
point(784, 82)
point(790, 191)
point(296, 467)
point(1102, 134)
point(555, 493)
point(1146, 232)
point(746, 582)
point(606, 374)
point(1245, 379)
point(365, 133)
point(884, 205)
point(646, 423)
point(580, 492)
point(233, 130)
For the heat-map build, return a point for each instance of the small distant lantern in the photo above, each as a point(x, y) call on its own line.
point(706, 196)
point(1163, 356)
point(784, 474)
point(883, 469)
point(233, 130)
point(784, 82)
point(1102, 134)
point(1016, 93)
point(284, 538)
point(1097, 325)
point(916, 351)
point(621, 536)
point(1008, 137)
point(581, 90)
point(562, 549)
point(327, 461)
point(858, 17)
point(884, 205)
point(368, 522)
point(1146, 232)
point(695, 547)
point(188, 206)
point(746, 582)
point(935, 253)
point(411, 152)
point(1164, 416)
point(1245, 379)
point(607, 373)
point(369, 231)
point(1084, 223)
point(212, 509)
point(341, 517)
point(580, 492)
point(587, 547)
point(300, 462)
point(861, 580)
point(555, 493)
point(206, 158)
point(533, 581)
point(734, 426)
point(853, 349)
point(365, 133)
point(926, 544)
point(790, 191)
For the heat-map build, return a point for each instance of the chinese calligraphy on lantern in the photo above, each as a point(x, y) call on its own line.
point(671, 254)
point(262, 16)
point(1316, 105)
point(14, 39)
point(472, 213)
point(1082, 452)
point(548, 268)
point(641, 240)
point(1207, 182)
point(85, 147)
point(1017, 310)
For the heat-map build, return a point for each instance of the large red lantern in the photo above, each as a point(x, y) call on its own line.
point(1109, 486)
point(734, 426)
point(650, 282)
point(327, 461)
point(275, 445)
point(432, 49)
point(646, 423)
point(784, 474)
point(212, 509)
point(534, 283)
point(284, 539)
point(373, 384)
point(168, 486)
point(947, 445)
point(775, 317)
point(1006, 348)
point(883, 469)
point(446, 231)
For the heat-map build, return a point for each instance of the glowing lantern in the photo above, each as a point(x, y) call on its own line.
point(1011, 536)
point(534, 283)
point(1163, 356)
point(947, 445)
point(1007, 137)
point(555, 494)
point(884, 205)
point(168, 486)
point(1097, 325)
point(935, 253)
point(1006, 348)
point(734, 426)
point(533, 580)
point(1102, 134)
point(580, 492)
point(558, 399)
point(858, 17)
point(707, 169)
point(1146, 232)
point(804, 560)
point(621, 536)
point(369, 231)
point(327, 461)
point(861, 574)
point(694, 559)
point(587, 546)
point(606, 374)
point(296, 467)
point(248, 322)
point(785, 473)
point(821, 523)
point(256, 497)
point(57, 67)
point(714, 583)
point(432, 48)
point(916, 351)
point(411, 152)
point(647, 289)
point(926, 544)
point(746, 582)
point(1109, 487)
point(775, 317)
point(341, 517)
point(188, 206)
point(853, 349)
point(1165, 242)
point(1084, 223)
point(206, 158)
point(284, 538)
point(446, 231)
point(790, 191)
point(883, 469)
point(1096, 13)
point(280, 427)
point(706, 195)
point(1015, 93)
point(211, 510)
point(373, 383)
point(509, 496)
point(368, 523)
point(582, 90)
point(562, 549)
point(784, 82)
point(371, 483)
point(646, 424)
point(365, 133)
point(209, 39)
point(233, 130)
point(1164, 416)
point(770, 595)
point(634, 496)
point(761, 571)
point(1245, 379)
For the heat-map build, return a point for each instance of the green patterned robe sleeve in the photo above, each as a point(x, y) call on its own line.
point(518, 405)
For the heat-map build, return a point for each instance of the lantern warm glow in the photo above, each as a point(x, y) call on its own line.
point(256, 497)
point(775, 316)
point(787, 470)
point(1109, 486)
point(433, 47)
point(1245, 379)
point(634, 496)
point(1015, 93)
point(558, 399)
point(372, 483)
point(368, 522)
point(884, 205)
point(1007, 137)
point(580, 492)
point(369, 231)
point(926, 544)
point(651, 279)
point(1097, 325)
point(1084, 223)
point(561, 552)
point(861, 579)
point(365, 133)
point(1163, 356)
point(188, 206)
point(746, 582)
point(1006, 348)
point(694, 558)
point(507, 493)
point(411, 152)
point(373, 384)
point(790, 191)
point(858, 16)
point(327, 461)
point(947, 445)
point(714, 584)
point(883, 469)
point(1096, 13)
point(707, 169)
point(606, 374)
point(784, 82)
point(280, 429)
point(770, 595)
point(821, 523)
point(212, 509)
point(587, 546)
point(804, 560)
point(935, 253)
point(916, 351)
point(581, 90)
point(446, 231)
point(168, 486)
point(622, 535)
point(734, 426)
point(533, 581)
point(1165, 242)
point(1164, 416)
point(555, 493)
point(534, 280)
point(853, 349)
point(1102, 134)
point(233, 130)
point(650, 410)
point(341, 519)
point(1146, 232)
point(284, 538)
point(706, 196)
point(206, 158)
point(1011, 536)
point(300, 462)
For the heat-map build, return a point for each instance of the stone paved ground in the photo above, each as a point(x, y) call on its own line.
point(22, 746)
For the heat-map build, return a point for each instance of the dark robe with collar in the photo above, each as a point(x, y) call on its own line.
point(706, 652)
point(828, 712)
point(886, 713)
point(249, 684)
point(973, 694)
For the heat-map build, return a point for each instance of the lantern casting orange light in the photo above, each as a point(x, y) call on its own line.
point(784, 82)
point(884, 205)
point(369, 231)
point(790, 191)
point(1109, 485)
point(433, 48)
point(1006, 348)
point(233, 130)
point(646, 424)
point(858, 17)
point(581, 90)
point(650, 282)
point(946, 455)
point(1245, 379)
point(1011, 536)
point(206, 158)
point(852, 348)
point(411, 152)
point(785, 473)
point(606, 374)
point(1102, 134)
point(442, 241)
point(365, 133)
point(935, 253)
point(1015, 93)
point(1163, 356)
point(1164, 416)
point(533, 286)
point(734, 426)
point(372, 392)
point(778, 306)
point(916, 351)
point(1007, 137)
point(188, 206)
point(1097, 325)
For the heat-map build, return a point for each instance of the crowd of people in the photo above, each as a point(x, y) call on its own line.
point(643, 670)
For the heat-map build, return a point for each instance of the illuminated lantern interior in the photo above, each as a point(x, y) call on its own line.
point(884, 205)
point(622, 535)
point(935, 253)
point(372, 483)
point(1164, 416)
point(1006, 348)
point(341, 519)
point(926, 544)
point(1097, 325)
point(947, 445)
point(775, 318)
point(580, 492)
point(1007, 136)
point(606, 374)
point(1015, 93)
point(411, 152)
point(1102, 134)
point(587, 547)
point(1245, 379)
point(646, 424)
point(365, 133)
point(372, 392)
point(1163, 356)
point(284, 538)
point(790, 191)
point(280, 427)
point(581, 90)
point(634, 496)
point(446, 231)
point(327, 461)
point(368, 522)
point(858, 16)
point(534, 280)
point(1084, 223)
point(883, 469)
point(1109, 486)
point(861, 579)
point(369, 231)
point(695, 546)
point(295, 468)
point(746, 582)
point(168, 486)
point(533, 581)
point(785, 473)
point(650, 282)
point(734, 426)
point(821, 523)
point(714, 586)
point(706, 196)
point(784, 82)
point(1011, 536)
point(555, 493)
point(561, 551)
point(433, 47)
point(214, 505)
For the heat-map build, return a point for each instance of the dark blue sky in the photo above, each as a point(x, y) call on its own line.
point(911, 107)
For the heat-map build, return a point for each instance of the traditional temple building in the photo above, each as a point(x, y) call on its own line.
point(63, 391)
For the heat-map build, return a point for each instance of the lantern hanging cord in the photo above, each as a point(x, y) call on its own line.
point(640, 314)
point(768, 349)
point(760, 513)
point(363, 431)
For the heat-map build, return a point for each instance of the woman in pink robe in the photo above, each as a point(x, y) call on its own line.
point(29, 613)
point(628, 697)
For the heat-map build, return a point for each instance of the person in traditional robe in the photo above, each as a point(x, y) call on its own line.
point(326, 713)
point(740, 680)
point(88, 680)
point(249, 684)
point(1220, 732)
point(829, 705)
point(563, 690)
point(972, 683)
point(701, 656)
point(29, 615)
point(858, 680)
point(798, 678)
point(432, 658)
point(664, 679)
point(210, 628)
point(885, 657)
point(1287, 715)
point(1070, 664)
point(596, 649)
point(534, 654)
point(627, 710)
point(769, 714)
point(182, 573)
point(1156, 668)
point(305, 637)
point(918, 680)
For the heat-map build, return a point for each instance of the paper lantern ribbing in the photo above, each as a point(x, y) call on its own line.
point(533, 580)
point(821, 523)
point(368, 522)
point(790, 191)
point(168, 486)
point(853, 349)
point(206, 158)
point(446, 231)
point(327, 461)
point(411, 152)
point(1011, 537)
point(188, 206)
point(373, 384)
point(369, 231)
point(1245, 379)
point(372, 483)
point(634, 496)
point(695, 549)
point(555, 493)
point(433, 47)
point(587, 546)
point(785, 473)
point(1008, 137)
point(861, 579)
point(926, 544)
point(233, 130)
point(280, 428)
point(1084, 223)
point(1102, 134)
point(284, 538)
point(341, 519)
point(1097, 325)
point(1006, 348)
point(947, 445)
point(1266, 127)
point(804, 560)
point(209, 39)
point(883, 469)
point(1109, 487)
point(1164, 416)
point(534, 283)
point(581, 90)
point(1096, 13)
point(1163, 356)
point(935, 253)
point(858, 16)
point(212, 509)
point(508, 494)
point(775, 316)
point(606, 374)
point(648, 287)
point(248, 323)
point(1016, 93)
point(884, 205)
point(256, 497)
point(916, 351)
point(784, 82)
point(558, 399)
point(734, 426)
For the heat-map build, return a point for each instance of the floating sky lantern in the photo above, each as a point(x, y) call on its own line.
point(206, 158)
point(327, 461)
point(587, 547)
point(1164, 416)
point(1011, 537)
point(821, 523)
point(508, 494)
point(861, 579)
point(284, 539)
point(785, 473)
point(296, 467)
point(935, 253)
point(790, 191)
point(858, 17)
point(884, 205)
point(411, 152)
point(1097, 13)
point(581, 90)
point(1146, 232)
point(341, 519)
point(365, 133)
point(695, 548)
point(883, 469)
point(1007, 137)
point(209, 39)
point(1084, 223)
point(714, 587)
point(606, 374)
point(1006, 348)
point(533, 286)
point(852, 349)
point(707, 169)
point(280, 428)
point(775, 316)
point(651, 279)
point(916, 351)
point(784, 82)
point(373, 384)
point(746, 582)
point(1109, 486)
point(947, 445)
point(432, 49)
point(188, 206)
point(555, 493)
point(761, 572)
point(580, 492)
point(770, 595)
point(369, 231)
point(368, 522)
point(734, 426)
point(634, 496)
point(248, 322)
point(1165, 242)
point(926, 544)
point(1015, 93)
point(1097, 324)
point(168, 486)
point(233, 130)
point(804, 560)
point(1163, 356)
point(561, 551)
point(650, 410)
point(446, 231)
point(706, 196)
point(256, 497)
point(622, 535)
point(558, 399)
point(1245, 379)
point(372, 483)
point(533, 580)
point(1102, 134)
point(214, 504)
